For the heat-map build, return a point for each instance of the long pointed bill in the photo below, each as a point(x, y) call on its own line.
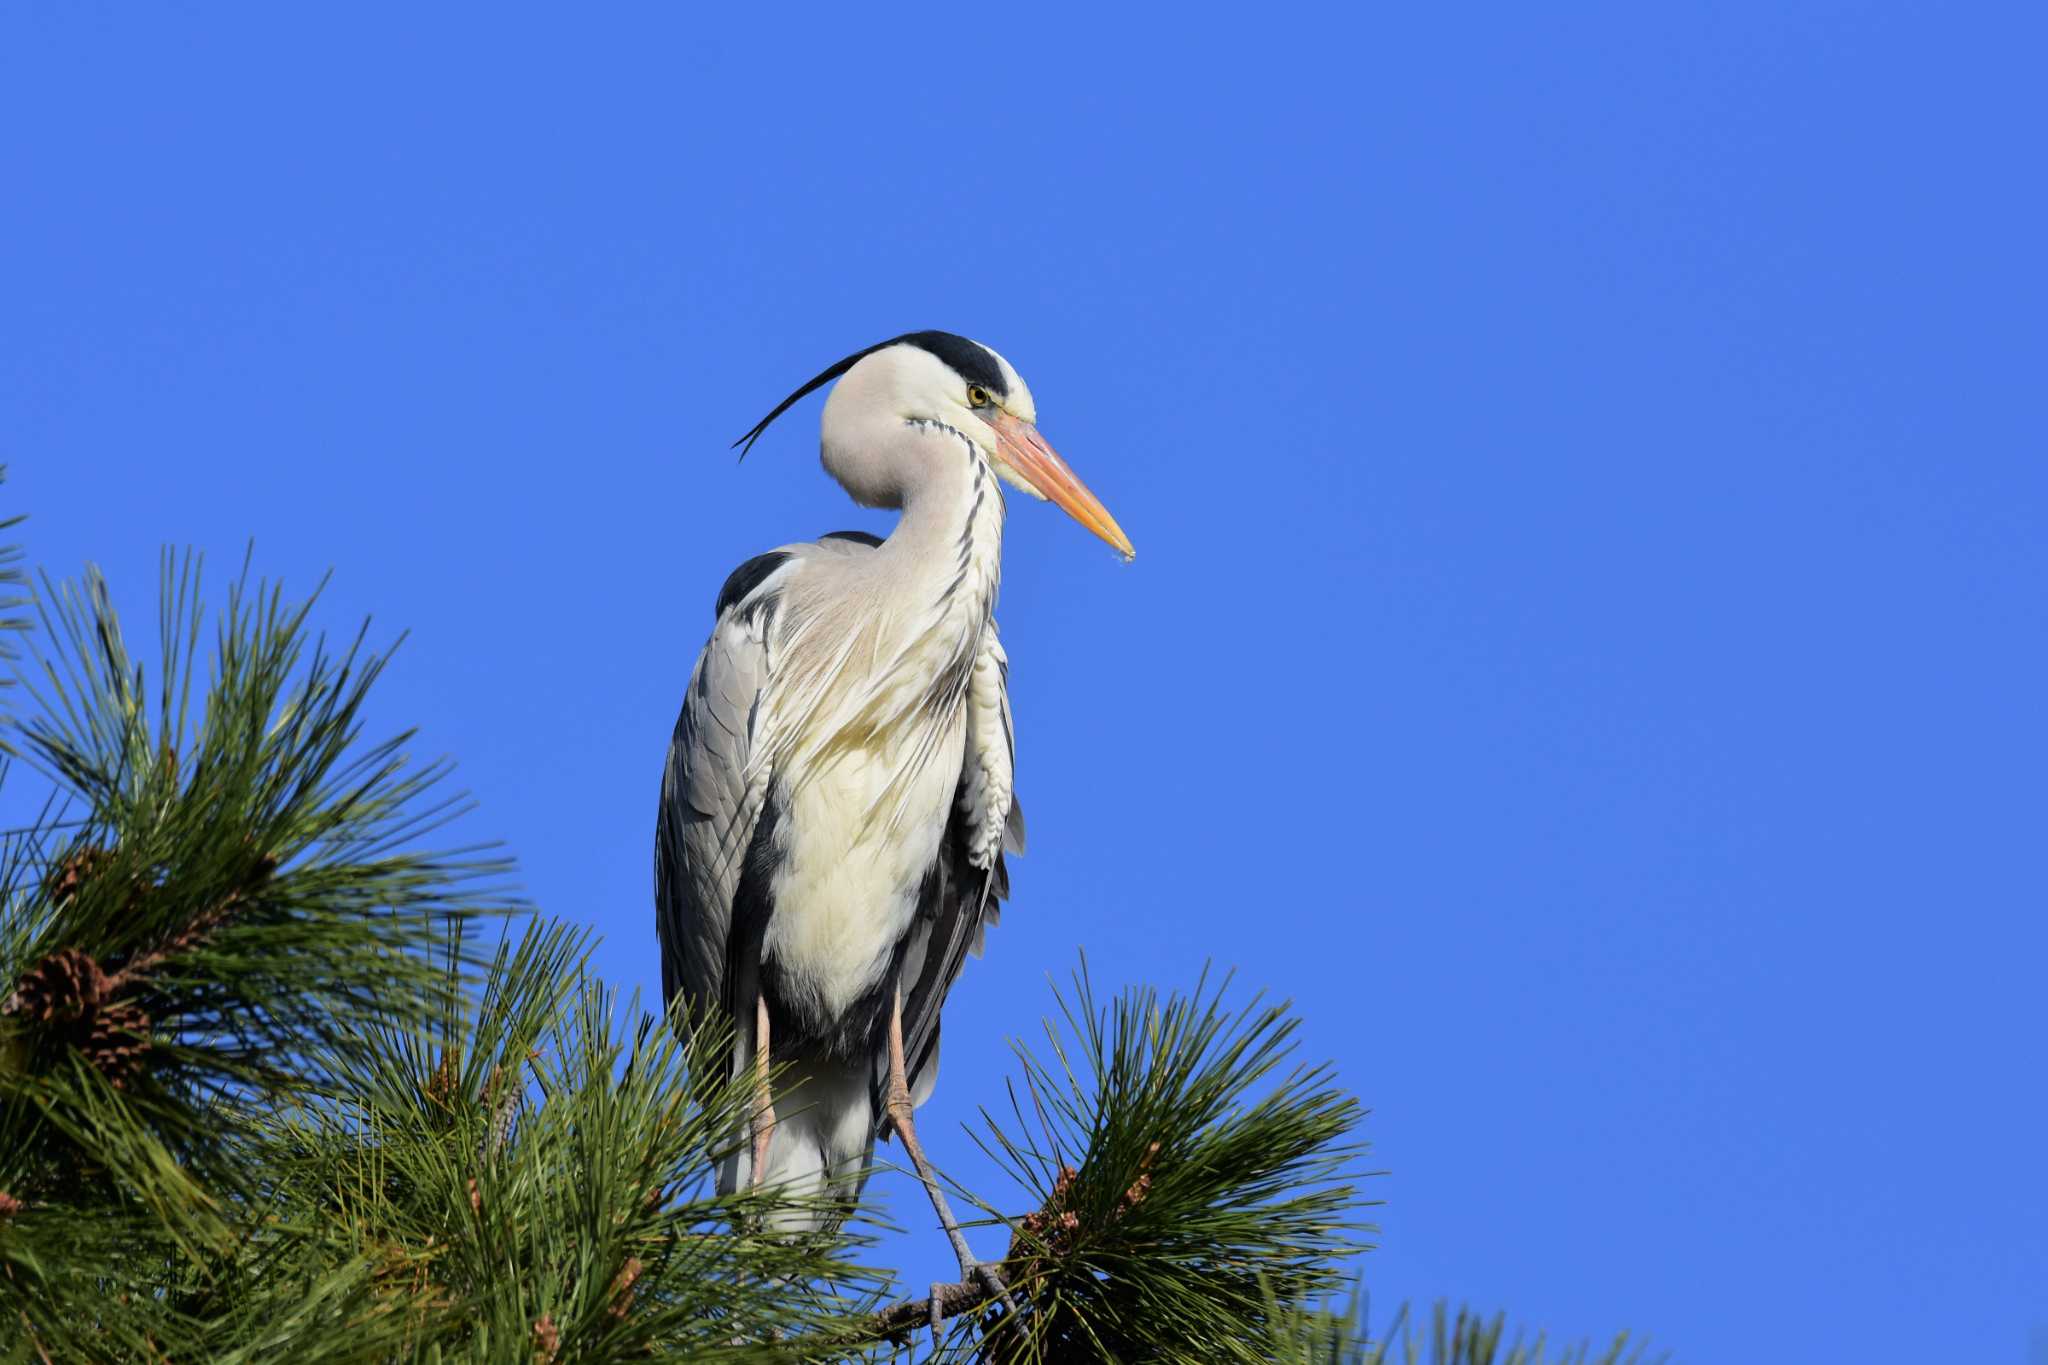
point(1026, 452)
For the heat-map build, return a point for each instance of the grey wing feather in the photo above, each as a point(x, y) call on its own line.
point(1013, 823)
point(712, 794)
point(957, 904)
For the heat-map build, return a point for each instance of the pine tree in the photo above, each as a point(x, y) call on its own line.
point(279, 1081)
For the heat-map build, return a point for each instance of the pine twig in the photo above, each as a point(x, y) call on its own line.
point(945, 1301)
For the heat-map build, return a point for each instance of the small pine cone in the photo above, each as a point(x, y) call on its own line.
point(547, 1338)
point(75, 871)
point(117, 1041)
point(9, 1205)
point(1140, 1187)
point(66, 985)
point(1055, 1224)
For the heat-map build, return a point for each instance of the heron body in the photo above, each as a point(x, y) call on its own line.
point(838, 796)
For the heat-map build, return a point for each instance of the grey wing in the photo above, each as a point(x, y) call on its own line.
point(963, 891)
point(958, 903)
point(713, 792)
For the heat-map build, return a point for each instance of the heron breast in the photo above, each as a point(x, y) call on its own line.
point(854, 848)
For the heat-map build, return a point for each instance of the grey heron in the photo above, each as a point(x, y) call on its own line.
point(838, 800)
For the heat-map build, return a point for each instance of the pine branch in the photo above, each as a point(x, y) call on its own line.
point(215, 905)
point(239, 913)
point(909, 1315)
point(1179, 1176)
point(535, 1169)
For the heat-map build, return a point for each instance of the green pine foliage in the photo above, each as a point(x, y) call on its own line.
point(222, 903)
point(1177, 1175)
point(279, 1081)
point(526, 1177)
point(1303, 1336)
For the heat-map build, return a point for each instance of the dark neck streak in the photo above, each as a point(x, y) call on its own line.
point(950, 539)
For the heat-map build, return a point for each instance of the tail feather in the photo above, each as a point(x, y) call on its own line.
point(823, 1146)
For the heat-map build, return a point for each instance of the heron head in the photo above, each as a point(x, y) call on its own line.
point(929, 382)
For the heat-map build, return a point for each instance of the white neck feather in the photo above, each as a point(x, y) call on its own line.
point(947, 548)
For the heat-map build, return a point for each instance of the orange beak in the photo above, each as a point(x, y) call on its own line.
point(1026, 452)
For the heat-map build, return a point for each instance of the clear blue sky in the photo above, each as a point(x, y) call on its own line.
point(1587, 639)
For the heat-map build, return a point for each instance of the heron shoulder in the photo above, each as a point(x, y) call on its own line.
point(744, 581)
point(752, 576)
point(850, 541)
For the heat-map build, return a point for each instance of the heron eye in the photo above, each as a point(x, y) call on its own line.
point(977, 397)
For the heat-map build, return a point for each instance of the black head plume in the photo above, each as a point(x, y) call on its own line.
point(971, 360)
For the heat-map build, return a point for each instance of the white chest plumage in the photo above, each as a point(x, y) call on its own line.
point(847, 877)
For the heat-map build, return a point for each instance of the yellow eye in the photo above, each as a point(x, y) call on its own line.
point(977, 397)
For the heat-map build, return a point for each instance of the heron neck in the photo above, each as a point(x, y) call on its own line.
point(949, 540)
